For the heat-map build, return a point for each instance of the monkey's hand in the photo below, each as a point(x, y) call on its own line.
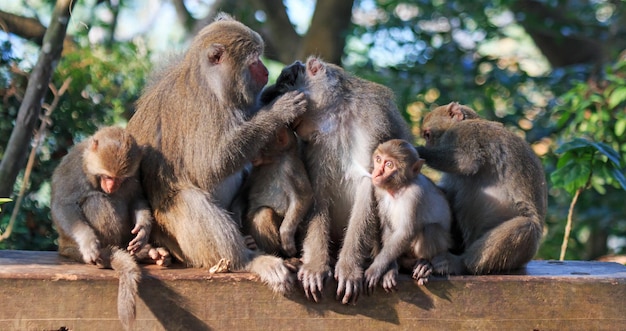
point(372, 278)
point(389, 280)
point(140, 239)
point(290, 106)
point(89, 247)
point(349, 282)
point(422, 270)
point(313, 277)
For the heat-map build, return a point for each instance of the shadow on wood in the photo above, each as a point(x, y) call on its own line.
point(42, 291)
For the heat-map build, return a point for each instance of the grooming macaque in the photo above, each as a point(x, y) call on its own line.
point(202, 124)
point(414, 217)
point(346, 119)
point(279, 195)
point(495, 185)
point(98, 207)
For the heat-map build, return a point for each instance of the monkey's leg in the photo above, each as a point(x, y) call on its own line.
point(432, 245)
point(263, 228)
point(206, 233)
point(508, 246)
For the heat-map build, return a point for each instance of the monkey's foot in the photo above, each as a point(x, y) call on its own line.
point(422, 270)
point(272, 272)
point(222, 266)
point(160, 256)
point(313, 279)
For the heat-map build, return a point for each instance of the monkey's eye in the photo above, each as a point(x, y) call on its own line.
point(389, 164)
point(377, 158)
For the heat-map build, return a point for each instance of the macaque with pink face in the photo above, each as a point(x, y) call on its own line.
point(414, 217)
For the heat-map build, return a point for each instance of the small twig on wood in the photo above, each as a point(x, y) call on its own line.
point(39, 136)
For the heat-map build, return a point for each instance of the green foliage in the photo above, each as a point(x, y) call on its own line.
point(4, 200)
point(106, 82)
point(597, 112)
point(582, 161)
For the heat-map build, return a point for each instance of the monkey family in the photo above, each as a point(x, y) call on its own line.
point(319, 165)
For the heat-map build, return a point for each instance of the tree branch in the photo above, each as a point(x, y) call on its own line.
point(24, 27)
point(52, 46)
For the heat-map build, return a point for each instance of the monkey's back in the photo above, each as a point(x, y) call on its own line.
point(509, 182)
point(107, 215)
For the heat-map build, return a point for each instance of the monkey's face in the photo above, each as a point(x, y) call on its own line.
point(388, 172)
point(110, 184)
point(258, 75)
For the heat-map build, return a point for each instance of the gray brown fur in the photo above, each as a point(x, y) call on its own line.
point(95, 227)
point(347, 118)
point(279, 195)
point(496, 187)
point(202, 126)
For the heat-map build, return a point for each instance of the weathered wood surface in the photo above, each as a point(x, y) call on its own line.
point(41, 291)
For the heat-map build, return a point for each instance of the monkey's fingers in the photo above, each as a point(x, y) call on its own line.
point(389, 281)
point(312, 283)
point(423, 269)
point(348, 291)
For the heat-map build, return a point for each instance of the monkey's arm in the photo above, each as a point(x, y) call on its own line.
point(300, 198)
point(143, 225)
point(349, 270)
point(393, 247)
point(238, 146)
point(315, 251)
point(70, 220)
point(461, 160)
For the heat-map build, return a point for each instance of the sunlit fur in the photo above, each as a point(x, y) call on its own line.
point(199, 123)
point(346, 119)
point(495, 184)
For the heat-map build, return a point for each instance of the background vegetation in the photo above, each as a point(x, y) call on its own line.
point(553, 71)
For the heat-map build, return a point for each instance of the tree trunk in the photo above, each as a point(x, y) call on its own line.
point(28, 115)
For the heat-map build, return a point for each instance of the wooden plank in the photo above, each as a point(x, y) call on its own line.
point(42, 291)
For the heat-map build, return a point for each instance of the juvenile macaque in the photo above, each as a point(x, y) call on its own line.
point(414, 217)
point(201, 122)
point(102, 217)
point(346, 119)
point(495, 185)
point(279, 195)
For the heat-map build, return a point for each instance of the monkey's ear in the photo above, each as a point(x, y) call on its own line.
point(93, 144)
point(216, 53)
point(417, 166)
point(455, 112)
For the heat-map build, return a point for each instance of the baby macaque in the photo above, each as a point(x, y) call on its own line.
point(102, 217)
point(414, 216)
point(279, 195)
point(495, 184)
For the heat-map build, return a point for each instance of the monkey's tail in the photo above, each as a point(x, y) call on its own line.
point(130, 275)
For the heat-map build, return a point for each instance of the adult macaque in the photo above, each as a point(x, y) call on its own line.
point(347, 118)
point(495, 185)
point(279, 195)
point(98, 207)
point(414, 214)
point(200, 122)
